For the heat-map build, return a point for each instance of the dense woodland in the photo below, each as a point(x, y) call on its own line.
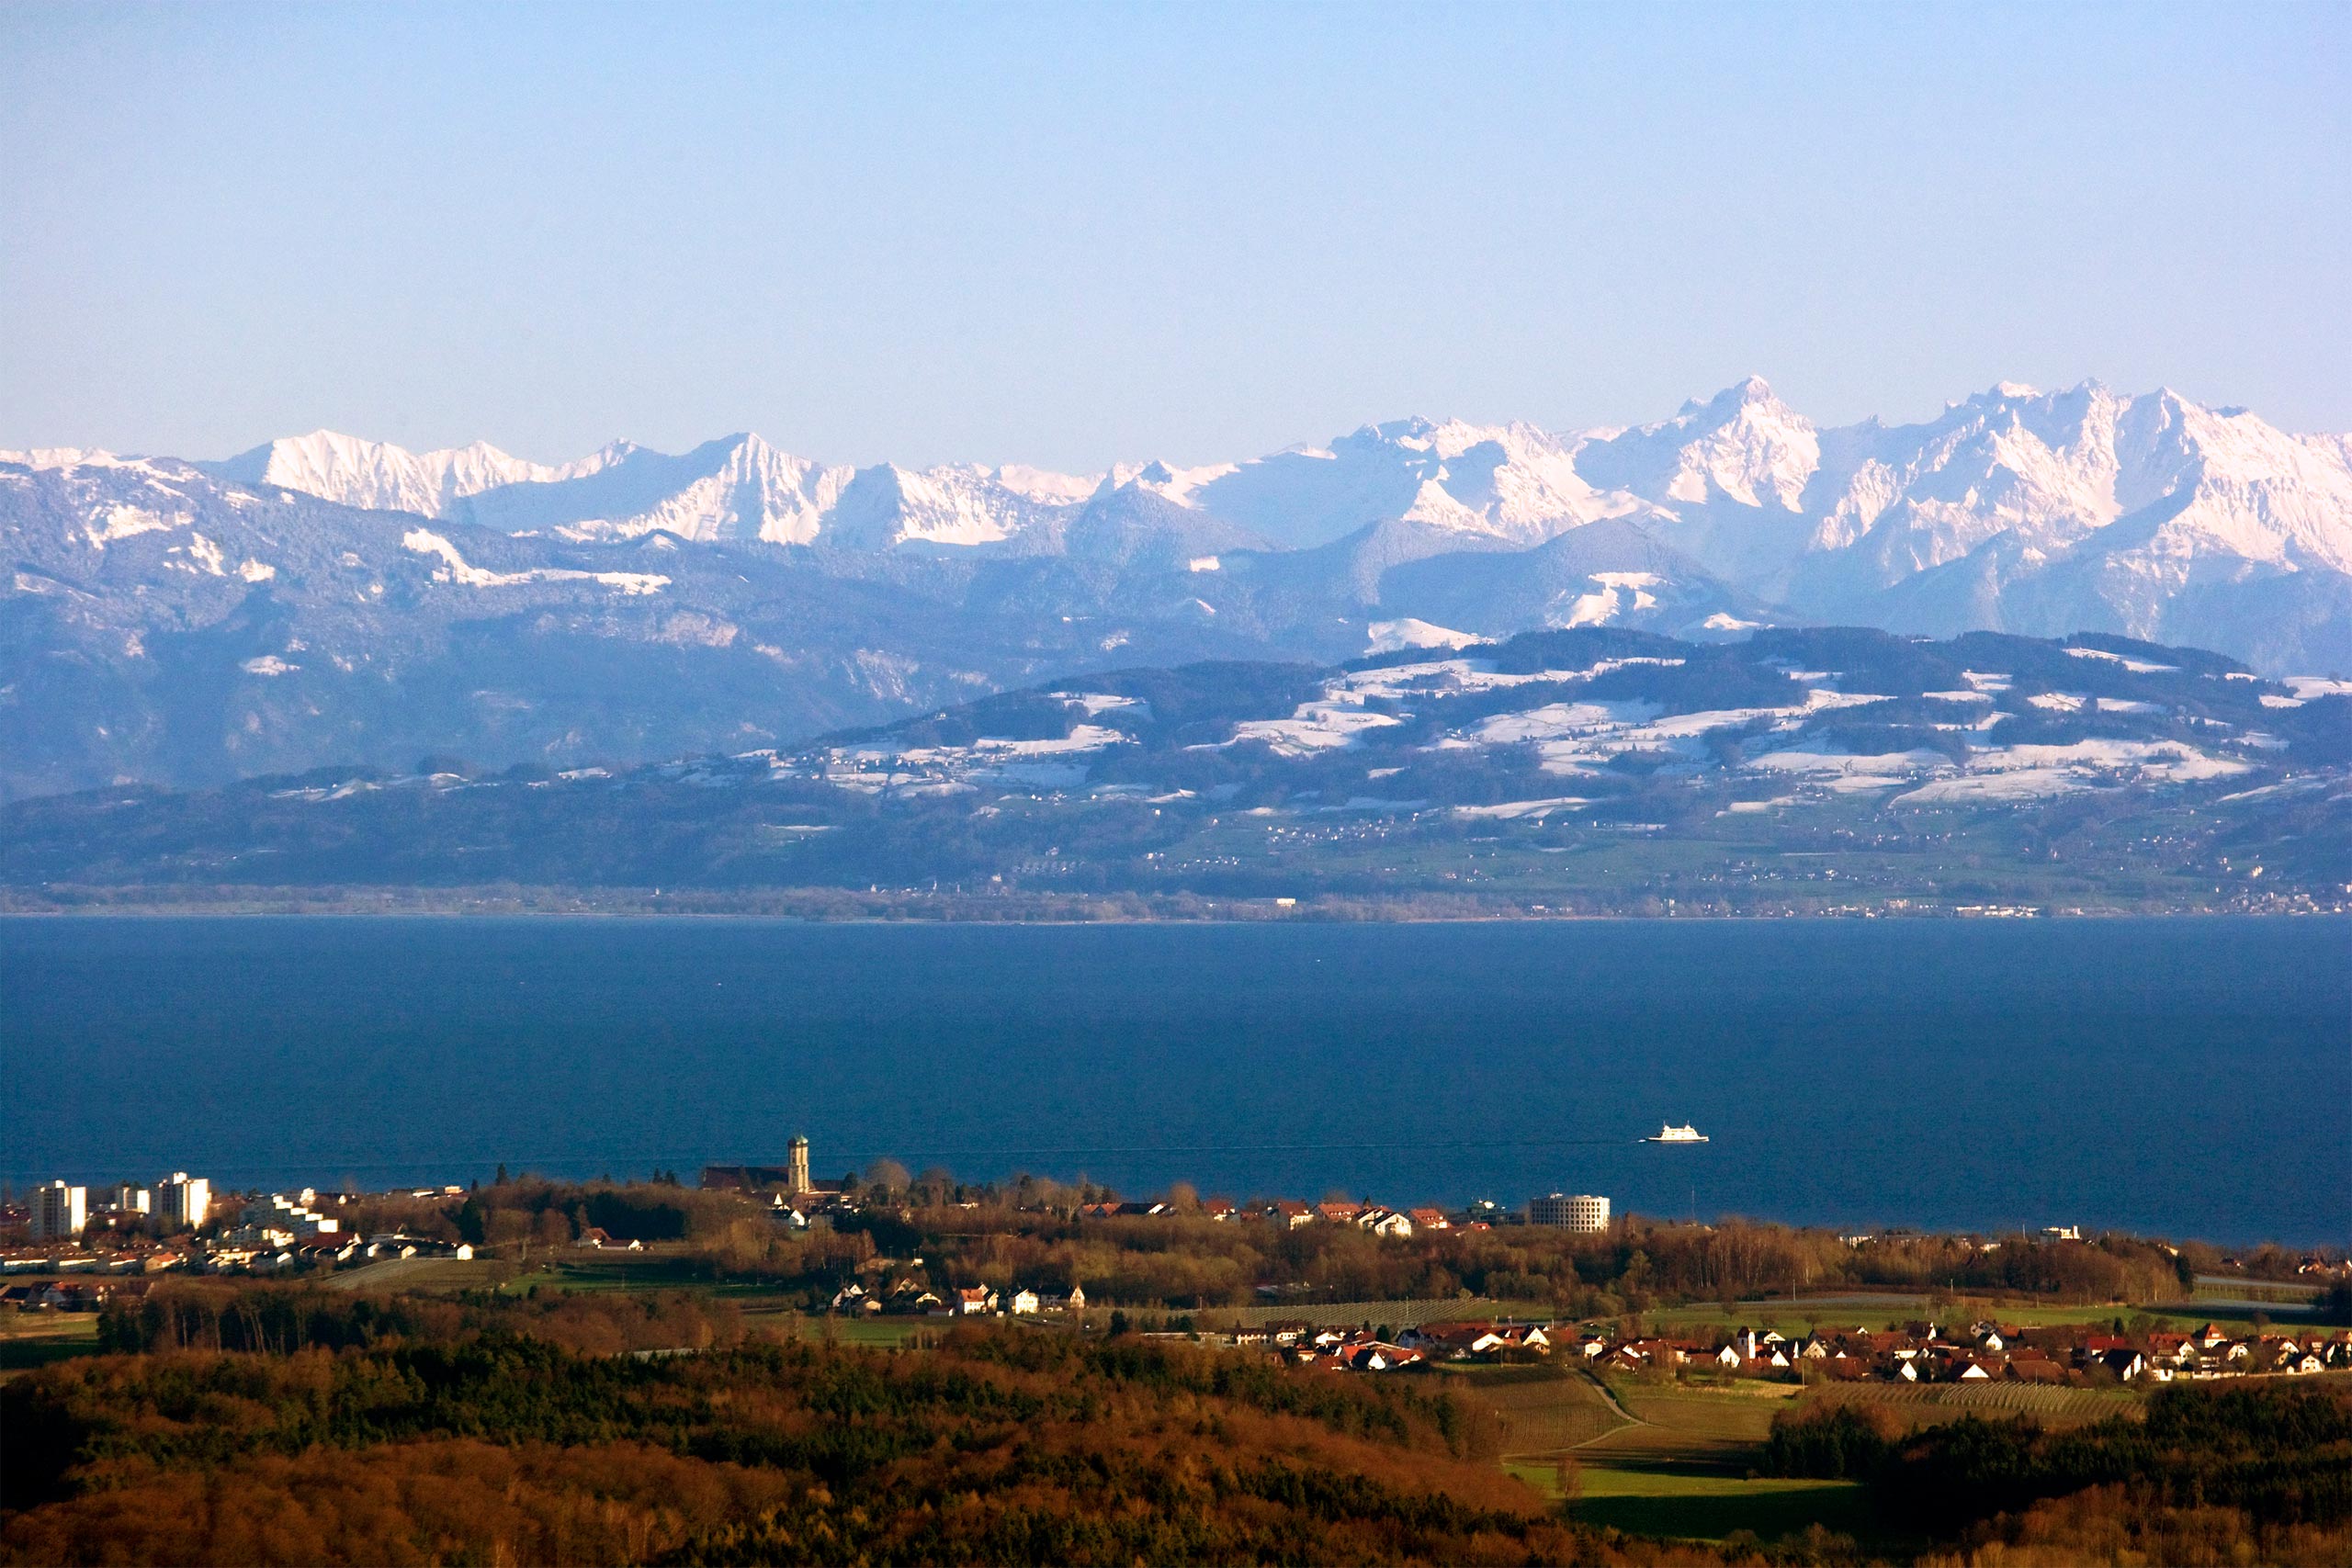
point(330, 1428)
point(500, 1432)
point(2246, 1473)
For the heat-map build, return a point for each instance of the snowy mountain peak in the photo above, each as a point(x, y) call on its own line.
point(1748, 390)
point(964, 505)
point(1743, 445)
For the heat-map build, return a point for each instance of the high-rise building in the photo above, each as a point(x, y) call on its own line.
point(184, 1201)
point(123, 1198)
point(60, 1212)
point(797, 1179)
point(1583, 1212)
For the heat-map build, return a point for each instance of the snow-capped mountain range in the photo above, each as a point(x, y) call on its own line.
point(884, 587)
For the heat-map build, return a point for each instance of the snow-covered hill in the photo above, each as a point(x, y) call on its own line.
point(1594, 769)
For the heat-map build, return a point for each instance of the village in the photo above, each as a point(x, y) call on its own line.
point(1918, 1352)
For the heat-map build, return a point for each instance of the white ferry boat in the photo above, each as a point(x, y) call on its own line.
point(1670, 1134)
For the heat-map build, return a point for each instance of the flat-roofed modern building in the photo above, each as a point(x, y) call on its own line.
point(185, 1200)
point(1582, 1212)
point(60, 1212)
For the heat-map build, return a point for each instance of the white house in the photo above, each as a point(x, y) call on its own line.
point(1025, 1304)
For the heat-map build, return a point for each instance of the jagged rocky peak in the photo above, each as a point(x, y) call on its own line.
point(1744, 445)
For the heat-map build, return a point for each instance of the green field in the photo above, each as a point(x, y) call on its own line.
point(1545, 1409)
point(889, 1333)
point(1655, 1459)
point(1681, 1469)
point(37, 1338)
point(1696, 1421)
point(1663, 1499)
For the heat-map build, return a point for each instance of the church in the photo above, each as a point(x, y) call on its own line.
point(788, 1180)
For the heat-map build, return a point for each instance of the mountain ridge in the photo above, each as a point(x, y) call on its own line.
point(186, 621)
point(1735, 471)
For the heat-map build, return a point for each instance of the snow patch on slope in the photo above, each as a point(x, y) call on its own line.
point(1393, 636)
point(454, 568)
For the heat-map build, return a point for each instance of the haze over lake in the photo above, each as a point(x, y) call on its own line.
point(2179, 1077)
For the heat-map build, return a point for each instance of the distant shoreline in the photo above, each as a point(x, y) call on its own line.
point(840, 906)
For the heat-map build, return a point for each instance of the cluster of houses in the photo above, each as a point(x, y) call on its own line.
point(908, 1296)
point(1363, 1351)
point(277, 1255)
point(72, 1295)
point(1917, 1353)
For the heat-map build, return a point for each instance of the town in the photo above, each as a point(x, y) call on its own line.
point(65, 1248)
point(110, 1249)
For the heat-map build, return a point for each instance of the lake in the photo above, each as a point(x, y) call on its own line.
point(2174, 1077)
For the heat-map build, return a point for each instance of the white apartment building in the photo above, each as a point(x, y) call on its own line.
point(184, 1201)
point(1583, 1212)
point(122, 1198)
point(60, 1212)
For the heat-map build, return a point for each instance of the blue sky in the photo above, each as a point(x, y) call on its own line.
point(1069, 235)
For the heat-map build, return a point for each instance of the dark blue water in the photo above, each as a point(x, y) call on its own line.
point(2183, 1077)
